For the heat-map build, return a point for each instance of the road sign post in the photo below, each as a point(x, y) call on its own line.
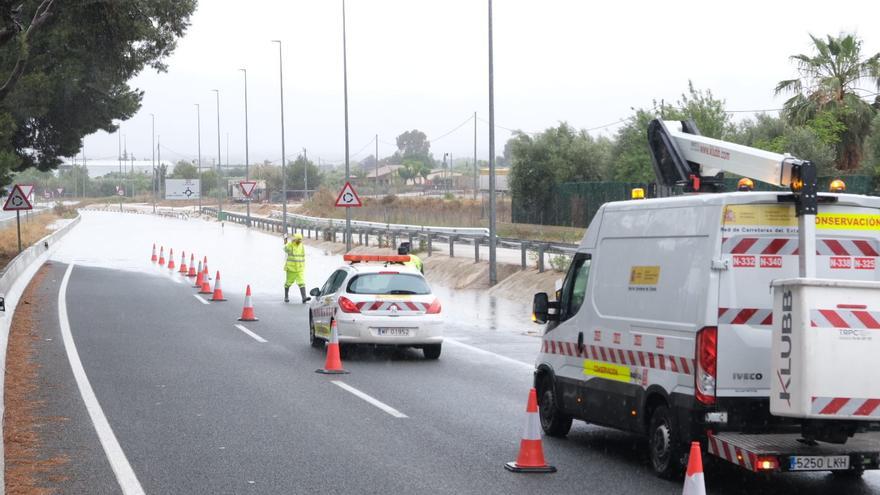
point(348, 198)
point(17, 201)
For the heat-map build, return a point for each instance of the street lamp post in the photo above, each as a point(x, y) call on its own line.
point(283, 151)
point(345, 89)
point(246, 150)
point(493, 274)
point(153, 116)
point(199, 139)
point(306, 174)
point(119, 152)
point(219, 165)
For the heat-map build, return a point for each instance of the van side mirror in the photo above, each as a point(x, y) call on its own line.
point(541, 308)
point(315, 292)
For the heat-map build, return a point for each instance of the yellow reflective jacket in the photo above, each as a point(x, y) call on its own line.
point(416, 262)
point(296, 257)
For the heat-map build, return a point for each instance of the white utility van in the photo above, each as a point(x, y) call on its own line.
point(663, 326)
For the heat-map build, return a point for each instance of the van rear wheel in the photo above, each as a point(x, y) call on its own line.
point(553, 421)
point(664, 444)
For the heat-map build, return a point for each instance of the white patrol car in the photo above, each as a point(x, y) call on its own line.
point(377, 300)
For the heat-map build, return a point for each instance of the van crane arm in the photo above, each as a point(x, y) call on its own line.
point(683, 157)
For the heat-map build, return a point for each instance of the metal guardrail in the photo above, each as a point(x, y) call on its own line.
point(330, 228)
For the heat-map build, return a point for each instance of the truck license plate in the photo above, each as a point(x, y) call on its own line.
point(818, 463)
point(393, 332)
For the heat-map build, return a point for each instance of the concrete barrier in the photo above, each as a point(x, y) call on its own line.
point(13, 281)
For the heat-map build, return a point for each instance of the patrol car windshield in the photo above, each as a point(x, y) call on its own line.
point(388, 283)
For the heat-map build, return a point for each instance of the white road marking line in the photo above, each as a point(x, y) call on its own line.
point(376, 402)
point(489, 353)
point(250, 334)
point(201, 299)
point(125, 475)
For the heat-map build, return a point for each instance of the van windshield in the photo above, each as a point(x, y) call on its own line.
point(388, 283)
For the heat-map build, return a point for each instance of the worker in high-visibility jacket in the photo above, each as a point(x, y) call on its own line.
point(295, 267)
point(414, 261)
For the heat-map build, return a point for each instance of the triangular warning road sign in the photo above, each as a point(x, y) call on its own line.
point(60, 191)
point(27, 189)
point(348, 197)
point(247, 187)
point(17, 200)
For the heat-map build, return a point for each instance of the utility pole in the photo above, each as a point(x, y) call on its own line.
point(493, 274)
point(476, 175)
point(199, 139)
point(283, 154)
point(247, 161)
point(345, 89)
point(377, 164)
point(220, 191)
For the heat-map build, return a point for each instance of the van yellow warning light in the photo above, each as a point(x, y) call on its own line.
point(638, 193)
point(745, 184)
point(837, 186)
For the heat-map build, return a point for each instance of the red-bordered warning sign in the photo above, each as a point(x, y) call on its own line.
point(28, 190)
point(60, 191)
point(348, 197)
point(247, 187)
point(17, 200)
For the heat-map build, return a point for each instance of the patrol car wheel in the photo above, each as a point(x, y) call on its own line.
point(432, 351)
point(313, 340)
point(553, 421)
point(664, 444)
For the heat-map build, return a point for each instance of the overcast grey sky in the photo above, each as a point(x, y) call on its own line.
point(423, 64)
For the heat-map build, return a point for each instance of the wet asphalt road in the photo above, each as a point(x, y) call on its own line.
point(200, 407)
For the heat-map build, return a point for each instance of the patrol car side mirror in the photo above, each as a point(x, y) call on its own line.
point(315, 292)
point(540, 308)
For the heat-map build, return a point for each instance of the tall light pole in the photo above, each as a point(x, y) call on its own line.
point(377, 164)
point(119, 152)
point(283, 151)
point(153, 116)
point(476, 175)
point(493, 274)
point(306, 173)
point(220, 191)
point(247, 171)
point(199, 139)
point(345, 89)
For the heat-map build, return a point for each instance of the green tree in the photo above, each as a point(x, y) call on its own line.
point(66, 67)
point(775, 134)
point(827, 90)
point(296, 174)
point(413, 144)
point(184, 170)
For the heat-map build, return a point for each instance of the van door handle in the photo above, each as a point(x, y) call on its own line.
point(580, 342)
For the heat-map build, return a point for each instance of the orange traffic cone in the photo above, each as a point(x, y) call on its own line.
point(531, 451)
point(192, 266)
point(218, 292)
point(206, 285)
point(171, 259)
point(182, 270)
point(694, 483)
point(199, 277)
point(161, 255)
point(247, 314)
point(333, 363)
point(154, 258)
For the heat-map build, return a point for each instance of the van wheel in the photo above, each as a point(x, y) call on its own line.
point(553, 421)
point(432, 351)
point(664, 444)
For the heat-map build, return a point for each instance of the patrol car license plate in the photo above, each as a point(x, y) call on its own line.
point(818, 463)
point(393, 332)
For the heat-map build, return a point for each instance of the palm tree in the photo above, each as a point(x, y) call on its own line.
point(828, 94)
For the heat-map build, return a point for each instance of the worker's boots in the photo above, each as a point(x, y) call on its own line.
point(302, 292)
point(287, 294)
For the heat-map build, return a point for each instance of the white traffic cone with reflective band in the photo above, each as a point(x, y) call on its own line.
point(171, 264)
point(333, 363)
point(182, 268)
point(531, 450)
point(694, 484)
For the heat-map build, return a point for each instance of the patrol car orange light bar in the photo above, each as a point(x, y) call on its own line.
point(376, 257)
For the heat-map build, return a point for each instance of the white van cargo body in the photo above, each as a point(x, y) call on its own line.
point(663, 325)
